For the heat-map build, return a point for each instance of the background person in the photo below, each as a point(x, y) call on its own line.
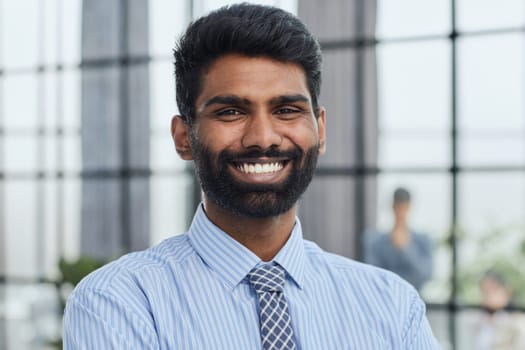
point(402, 250)
point(496, 328)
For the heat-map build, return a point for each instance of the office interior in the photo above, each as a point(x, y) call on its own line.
point(429, 96)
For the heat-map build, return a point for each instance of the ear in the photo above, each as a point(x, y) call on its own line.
point(180, 132)
point(321, 129)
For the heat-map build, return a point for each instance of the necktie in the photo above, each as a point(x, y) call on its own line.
point(276, 328)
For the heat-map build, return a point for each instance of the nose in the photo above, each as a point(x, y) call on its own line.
point(260, 132)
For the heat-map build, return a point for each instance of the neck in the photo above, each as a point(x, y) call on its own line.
point(400, 235)
point(263, 236)
point(400, 224)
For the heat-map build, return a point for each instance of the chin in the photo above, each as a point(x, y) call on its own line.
point(257, 205)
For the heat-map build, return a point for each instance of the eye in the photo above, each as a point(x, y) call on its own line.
point(229, 114)
point(288, 112)
point(228, 111)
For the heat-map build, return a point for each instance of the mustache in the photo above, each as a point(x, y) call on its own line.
point(292, 154)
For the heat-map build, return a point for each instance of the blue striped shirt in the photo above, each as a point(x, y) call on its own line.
point(191, 292)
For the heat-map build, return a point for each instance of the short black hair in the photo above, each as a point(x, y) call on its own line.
point(246, 29)
point(401, 195)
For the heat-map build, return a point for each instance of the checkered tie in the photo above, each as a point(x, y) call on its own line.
point(276, 328)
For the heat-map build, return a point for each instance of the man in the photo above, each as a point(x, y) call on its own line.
point(403, 251)
point(242, 277)
point(496, 327)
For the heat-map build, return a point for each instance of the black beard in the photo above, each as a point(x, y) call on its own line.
point(253, 200)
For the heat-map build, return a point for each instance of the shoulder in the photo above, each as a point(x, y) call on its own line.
point(421, 238)
point(132, 268)
point(356, 273)
point(373, 294)
point(115, 300)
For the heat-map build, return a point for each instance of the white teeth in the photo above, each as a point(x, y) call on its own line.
point(260, 168)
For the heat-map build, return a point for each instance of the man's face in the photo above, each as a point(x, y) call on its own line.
point(255, 139)
point(495, 296)
point(401, 210)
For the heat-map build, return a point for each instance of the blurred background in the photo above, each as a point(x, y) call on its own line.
point(425, 95)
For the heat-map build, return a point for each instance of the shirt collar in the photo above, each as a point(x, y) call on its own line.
point(292, 256)
point(233, 261)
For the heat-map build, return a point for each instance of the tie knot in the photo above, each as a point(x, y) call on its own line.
point(267, 278)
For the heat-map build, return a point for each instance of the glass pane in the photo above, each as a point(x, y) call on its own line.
point(288, 5)
point(50, 32)
point(21, 153)
point(439, 322)
point(414, 103)
point(50, 249)
point(491, 105)
point(30, 316)
point(102, 133)
point(19, 30)
point(70, 100)
point(69, 209)
point(171, 198)
point(162, 103)
point(490, 14)
point(163, 155)
point(200, 7)
point(490, 86)
point(50, 154)
point(49, 113)
point(20, 101)
point(430, 214)
point(397, 149)
point(414, 86)
point(70, 29)
point(339, 69)
point(71, 152)
point(21, 222)
point(412, 18)
point(492, 148)
point(492, 226)
point(167, 20)
point(342, 23)
point(327, 213)
point(467, 322)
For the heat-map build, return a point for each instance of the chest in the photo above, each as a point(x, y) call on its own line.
point(214, 317)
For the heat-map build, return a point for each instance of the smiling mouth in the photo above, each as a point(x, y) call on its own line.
point(260, 168)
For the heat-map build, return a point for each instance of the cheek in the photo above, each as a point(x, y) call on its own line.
point(218, 136)
point(305, 136)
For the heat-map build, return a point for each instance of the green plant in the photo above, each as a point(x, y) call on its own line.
point(497, 250)
point(72, 272)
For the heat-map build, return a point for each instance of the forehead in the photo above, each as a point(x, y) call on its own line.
point(252, 77)
point(489, 282)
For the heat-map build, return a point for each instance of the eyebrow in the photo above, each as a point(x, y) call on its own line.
point(236, 100)
point(227, 100)
point(289, 99)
